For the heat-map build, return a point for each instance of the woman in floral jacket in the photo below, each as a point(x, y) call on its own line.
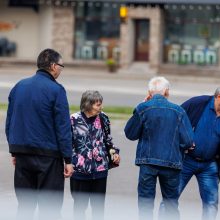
point(91, 141)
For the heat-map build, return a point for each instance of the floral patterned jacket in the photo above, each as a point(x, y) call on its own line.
point(89, 151)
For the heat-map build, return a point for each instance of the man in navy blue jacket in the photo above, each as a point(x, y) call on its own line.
point(39, 136)
point(204, 112)
point(163, 132)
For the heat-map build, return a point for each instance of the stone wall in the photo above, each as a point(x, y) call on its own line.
point(63, 32)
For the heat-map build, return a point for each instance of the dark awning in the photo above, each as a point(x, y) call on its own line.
point(35, 3)
point(157, 1)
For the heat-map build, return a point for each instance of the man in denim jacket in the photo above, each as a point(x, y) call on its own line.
point(164, 132)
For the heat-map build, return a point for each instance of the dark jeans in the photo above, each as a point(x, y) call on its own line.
point(84, 191)
point(39, 181)
point(169, 182)
point(207, 177)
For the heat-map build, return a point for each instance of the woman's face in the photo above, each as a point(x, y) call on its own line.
point(96, 109)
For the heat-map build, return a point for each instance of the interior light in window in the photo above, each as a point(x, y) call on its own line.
point(183, 7)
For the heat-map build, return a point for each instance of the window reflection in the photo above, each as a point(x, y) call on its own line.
point(97, 31)
point(192, 35)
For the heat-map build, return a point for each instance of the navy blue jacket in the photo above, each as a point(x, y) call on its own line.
point(163, 132)
point(38, 121)
point(194, 108)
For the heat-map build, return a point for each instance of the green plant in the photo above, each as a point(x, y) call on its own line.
point(110, 62)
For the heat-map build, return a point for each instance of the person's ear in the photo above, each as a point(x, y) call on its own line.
point(53, 66)
point(166, 94)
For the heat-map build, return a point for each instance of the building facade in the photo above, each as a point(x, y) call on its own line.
point(172, 36)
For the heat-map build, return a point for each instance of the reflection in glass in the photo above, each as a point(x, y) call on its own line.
point(192, 35)
point(97, 31)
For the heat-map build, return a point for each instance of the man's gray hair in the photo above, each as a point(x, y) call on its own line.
point(217, 92)
point(89, 98)
point(158, 85)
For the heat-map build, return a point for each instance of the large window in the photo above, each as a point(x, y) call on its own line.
point(97, 30)
point(192, 34)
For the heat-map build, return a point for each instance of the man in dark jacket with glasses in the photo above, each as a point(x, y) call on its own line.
point(39, 136)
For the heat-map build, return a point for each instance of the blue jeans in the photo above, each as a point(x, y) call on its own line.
point(169, 182)
point(207, 177)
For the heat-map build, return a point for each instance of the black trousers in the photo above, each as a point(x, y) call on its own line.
point(39, 181)
point(84, 191)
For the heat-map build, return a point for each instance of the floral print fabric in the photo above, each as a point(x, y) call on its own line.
point(89, 151)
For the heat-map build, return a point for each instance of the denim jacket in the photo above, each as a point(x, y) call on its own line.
point(163, 131)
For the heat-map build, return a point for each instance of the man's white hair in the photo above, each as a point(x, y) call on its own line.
point(158, 85)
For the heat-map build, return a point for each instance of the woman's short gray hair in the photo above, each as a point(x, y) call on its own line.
point(89, 98)
point(158, 85)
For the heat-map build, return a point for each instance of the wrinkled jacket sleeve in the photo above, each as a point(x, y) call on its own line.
point(63, 125)
point(133, 128)
point(186, 132)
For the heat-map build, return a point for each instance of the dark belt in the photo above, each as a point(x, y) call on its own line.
point(198, 159)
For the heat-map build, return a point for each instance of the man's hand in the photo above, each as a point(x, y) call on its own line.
point(13, 160)
point(68, 170)
point(148, 97)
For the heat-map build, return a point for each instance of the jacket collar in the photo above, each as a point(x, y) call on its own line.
point(158, 96)
point(45, 73)
point(212, 103)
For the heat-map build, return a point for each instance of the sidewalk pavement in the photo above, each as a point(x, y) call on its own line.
point(77, 79)
point(104, 73)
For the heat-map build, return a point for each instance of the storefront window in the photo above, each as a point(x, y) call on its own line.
point(97, 30)
point(192, 35)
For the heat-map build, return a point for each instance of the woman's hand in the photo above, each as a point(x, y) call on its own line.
point(116, 158)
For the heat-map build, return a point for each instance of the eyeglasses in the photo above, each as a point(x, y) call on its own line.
point(60, 65)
